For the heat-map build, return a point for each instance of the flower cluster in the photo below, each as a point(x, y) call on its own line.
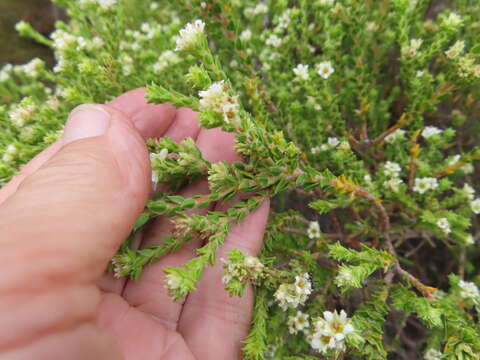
point(328, 333)
point(242, 268)
point(217, 99)
point(190, 36)
point(294, 294)
point(469, 290)
point(423, 185)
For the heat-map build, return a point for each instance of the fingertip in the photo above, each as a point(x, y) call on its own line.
point(152, 121)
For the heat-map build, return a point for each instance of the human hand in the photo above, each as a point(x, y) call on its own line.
point(64, 216)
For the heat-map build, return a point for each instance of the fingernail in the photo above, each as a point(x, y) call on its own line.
point(86, 121)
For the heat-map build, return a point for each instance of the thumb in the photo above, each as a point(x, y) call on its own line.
point(67, 219)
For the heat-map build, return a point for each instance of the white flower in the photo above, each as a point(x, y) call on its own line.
point(293, 295)
point(475, 205)
point(190, 35)
point(412, 48)
point(315, 150)
point(5, 72)
point(338, 325)
point(424, 184)
point(298, 322)
point(313, 230)
point(430, 131)
point(467, 168)
point(53, 103)
point(469, 240)
point(396, 135)
point(333, 142)
point(19, 114)
point(322, 342)
point(393, 184)
point(303, 286)
point(456, 50)
point(154, 5)
point(325, 69)
point(468, 191)
point(368, 179)
point(392, 169)
point(9, 153)
point(260, 9)
point(63, 40)
point(432, 354)
point(167, 58)
point(301, 71)
point(284, 20)
point(33, 67)
point(453, 20)
point(330, 331)
point(468, 290)
point(217, 99)
point(246, 35)
point(173, 282)
point(443, 224)
point(274, 41)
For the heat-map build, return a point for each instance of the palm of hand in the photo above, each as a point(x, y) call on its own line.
point(71, 313)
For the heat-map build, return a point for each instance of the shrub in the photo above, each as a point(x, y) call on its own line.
point(359, 117)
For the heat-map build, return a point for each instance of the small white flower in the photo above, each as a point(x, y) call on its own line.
point(333, 142)
point(154, 5)
point(393, 184)
point(284, 20)
point(337, 324)
point(443, 224)
point(453, 20)
point(469, 240)
point(456, 50)
point(301, 71)
point(475, 205)
point(330, 331)
point(392, 169)
point(53, 103)
point(430, 131)
point(422, 185)
point(468, 191)
point(313, 230)
point(315, 150)
point(298, 322)
point(396, 135)
point(246, 35)
point(217, 99)
point(190, 35)
point(412, 48)
point(274, 41)
point(468, 290)
point(20, 114)
point(260, 9)
point(325, 69)
point(467, 168)
point(10, 153)
point(33, 67)
point(432, 354)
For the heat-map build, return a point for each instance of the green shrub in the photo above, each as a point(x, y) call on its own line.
point(360, 114)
